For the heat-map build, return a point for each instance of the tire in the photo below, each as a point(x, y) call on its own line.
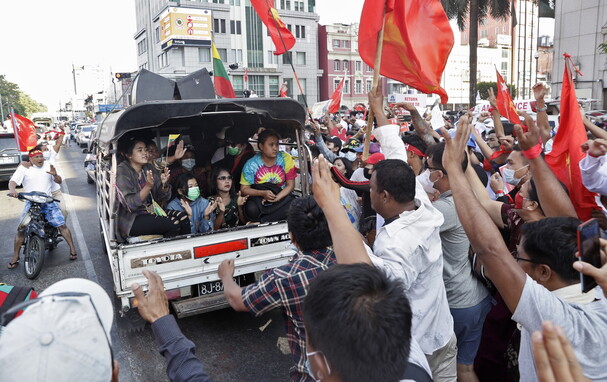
point(89, 180)
point(34, 257)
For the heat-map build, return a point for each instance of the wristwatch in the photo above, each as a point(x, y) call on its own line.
point(538, 109)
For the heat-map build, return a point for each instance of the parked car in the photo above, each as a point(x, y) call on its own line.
point(84, 135)
point(10, 157)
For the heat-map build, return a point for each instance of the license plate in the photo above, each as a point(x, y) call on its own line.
point(214, 286)
point(5, 160)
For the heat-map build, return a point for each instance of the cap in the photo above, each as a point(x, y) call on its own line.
point(374, 158)
point(351, 145)
point(60, 338)
point(373, 148)
point(336, 141)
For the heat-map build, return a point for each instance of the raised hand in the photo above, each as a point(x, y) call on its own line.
point(180, 150)
point(154, 304)
point(507, 142)
point(496, 182)
point(529, 139)
point(455, 148)
point(220, 204)
point(539, 91)
point(165, 176)
point(186, 207)
point(492, 100)
point(210, 208)
point(595, 148)
point(149, 178)
point(325, 189)
point(53, 171)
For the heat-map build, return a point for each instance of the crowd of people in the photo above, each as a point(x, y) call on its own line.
point(443, 255)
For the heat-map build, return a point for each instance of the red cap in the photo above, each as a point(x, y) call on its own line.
point(374, 158)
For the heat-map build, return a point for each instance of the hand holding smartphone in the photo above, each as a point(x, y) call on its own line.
point(589, 250)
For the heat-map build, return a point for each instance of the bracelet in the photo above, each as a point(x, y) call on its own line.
point(540, 109)
point(499, 194)
point(533, 152)
point(594, 156)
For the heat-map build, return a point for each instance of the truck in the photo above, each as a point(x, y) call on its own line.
point(188, 264)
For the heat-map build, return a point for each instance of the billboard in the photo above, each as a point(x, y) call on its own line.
point(185, 27)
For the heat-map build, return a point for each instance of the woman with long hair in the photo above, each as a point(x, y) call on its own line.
point(230, 204)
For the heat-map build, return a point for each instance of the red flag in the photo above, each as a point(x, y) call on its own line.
point(25, 132)
point(566, 152)
point(336, 97)
point(417, 41)
point(246, 75)
point(504, 101)
point(283, 90)
point(277, 29)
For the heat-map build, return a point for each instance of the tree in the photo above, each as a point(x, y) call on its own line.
point(477, 10)
point(483, 88)
point(12, 96)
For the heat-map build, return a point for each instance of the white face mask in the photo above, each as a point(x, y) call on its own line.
point(424, 179)
point(350, 155)
point(46, 155)
point(188, 164)
point(510, 178)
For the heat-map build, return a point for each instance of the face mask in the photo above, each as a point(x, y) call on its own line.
point(309, 368)
point(188, 164)
point(351, 156)
point(367, 173)
point(233, 151)
point(424, 179)
point(510, 178)
point(46, 155)
point(193, 193)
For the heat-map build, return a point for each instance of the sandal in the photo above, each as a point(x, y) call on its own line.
point(73, 256)
point(13, 265)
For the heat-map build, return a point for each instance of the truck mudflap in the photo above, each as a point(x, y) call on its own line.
point(187, 263)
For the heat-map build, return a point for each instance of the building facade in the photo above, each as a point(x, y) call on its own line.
point(580, 27)
point(242, 42)
point(338, 57)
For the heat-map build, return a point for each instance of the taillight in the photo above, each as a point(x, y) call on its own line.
point(219, 248)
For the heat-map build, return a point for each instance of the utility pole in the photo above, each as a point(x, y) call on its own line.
point(1, 110)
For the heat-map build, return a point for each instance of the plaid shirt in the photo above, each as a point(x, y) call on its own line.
point(286, 287)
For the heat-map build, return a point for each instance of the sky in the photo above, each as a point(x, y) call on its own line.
point(44, 38)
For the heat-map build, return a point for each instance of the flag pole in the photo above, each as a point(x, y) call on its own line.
point(375, 84)
point(289, 58)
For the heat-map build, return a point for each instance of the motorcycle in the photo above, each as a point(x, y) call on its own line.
point(40, 236)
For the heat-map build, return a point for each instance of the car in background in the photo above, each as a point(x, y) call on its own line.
point(10, 157)
point(84, 135)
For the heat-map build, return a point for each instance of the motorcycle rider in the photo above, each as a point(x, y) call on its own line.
point(39, 177)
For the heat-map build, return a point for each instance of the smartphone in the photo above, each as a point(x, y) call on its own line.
point(589, 248)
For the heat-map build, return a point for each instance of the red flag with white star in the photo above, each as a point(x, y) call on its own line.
point(504, 101)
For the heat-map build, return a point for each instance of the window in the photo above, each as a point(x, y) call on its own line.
point(346, 65)
point(238, 85)
point(254, 35)
point(218, 1)
point(204, 54)
point(484, 33)
point(235, 55)
point(505, 53)
point(289, 82)
point(163, 60)
point(235, 2)
point(301, 58)
point(301, 97)
point(359, 66)
point(257, 83)
point(296, 4)
point(300, 31)
point(336, 65)
point(358, 87)
point(274, 86)
point(282, 4)
point(335, 84)
point(347, 44)
point(368, 88)
point(219, 26)
point(142, 46)
point(223, 54)
point(347, 87)
point(235, 27)
point(288, 5)
point(290, 27)
point(287, 57)
point(335, 43)
point(368, 68)
point(272, 59)
point(180, 53)
point(157, 35)
point(504, 66)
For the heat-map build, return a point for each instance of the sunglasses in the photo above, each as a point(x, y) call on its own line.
point(8, 316)
point(225, 177)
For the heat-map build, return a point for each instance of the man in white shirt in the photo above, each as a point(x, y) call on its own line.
point(593, 167)
point(39, 177)
point(538, 283)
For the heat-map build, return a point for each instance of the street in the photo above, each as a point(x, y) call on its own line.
point(233, 346)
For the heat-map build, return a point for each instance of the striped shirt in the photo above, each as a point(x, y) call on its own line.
point(286, 287)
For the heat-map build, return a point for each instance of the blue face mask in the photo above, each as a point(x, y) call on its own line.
point(309, 367)
point(188, 164)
